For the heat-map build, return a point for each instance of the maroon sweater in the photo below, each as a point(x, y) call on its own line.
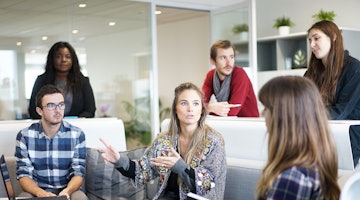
point(241, 92)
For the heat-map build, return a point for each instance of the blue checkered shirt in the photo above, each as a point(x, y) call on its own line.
point(50, 162)
point(296, 183)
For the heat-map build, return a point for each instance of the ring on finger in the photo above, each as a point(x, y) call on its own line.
point(163, 165)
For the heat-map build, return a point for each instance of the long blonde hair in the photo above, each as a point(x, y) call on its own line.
point(297, 124)
point(200, 132)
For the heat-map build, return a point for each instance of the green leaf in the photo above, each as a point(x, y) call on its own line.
point(283, 21)
point(324, 15)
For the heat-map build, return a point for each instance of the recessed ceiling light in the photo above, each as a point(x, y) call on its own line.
point(82, 5)
point(33, 51)
point(18, 43)
point(158, 12)
point(75, 31)
point(112, 23)
point(44, 38)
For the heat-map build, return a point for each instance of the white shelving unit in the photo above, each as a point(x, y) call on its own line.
point(272, 51)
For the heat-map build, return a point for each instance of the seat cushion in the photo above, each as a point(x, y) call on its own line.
point(103, 181)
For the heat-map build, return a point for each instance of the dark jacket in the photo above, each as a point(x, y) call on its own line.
point(83, 104)
point(347, 103)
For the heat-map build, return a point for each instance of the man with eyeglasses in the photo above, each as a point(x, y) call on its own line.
point(228, 84)
point(50, 154)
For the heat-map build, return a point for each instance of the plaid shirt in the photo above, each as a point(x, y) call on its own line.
point(50, 162)
point(296, 183)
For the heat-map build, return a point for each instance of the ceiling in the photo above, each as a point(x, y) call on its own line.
point(197, 4)
point(28, 20)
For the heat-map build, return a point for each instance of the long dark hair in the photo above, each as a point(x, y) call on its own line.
point(327, 77)
point(74, 77)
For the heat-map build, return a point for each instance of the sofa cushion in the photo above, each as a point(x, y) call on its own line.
point(103, 181)
point(242, 177)
point(11, 165)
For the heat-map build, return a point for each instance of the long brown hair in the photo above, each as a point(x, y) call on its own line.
point(327, 77)
point(297, 124)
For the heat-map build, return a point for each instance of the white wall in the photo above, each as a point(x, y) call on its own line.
point(183, 55)
point(301, 11)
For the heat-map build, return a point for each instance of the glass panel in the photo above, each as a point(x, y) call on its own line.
point(8, 86)
point(117, 58)
point(223, 25)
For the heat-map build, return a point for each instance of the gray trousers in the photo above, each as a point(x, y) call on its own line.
point(77, 195)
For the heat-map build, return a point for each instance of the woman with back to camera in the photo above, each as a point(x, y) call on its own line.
point(188, 157)
point(337, 75)
point(302, 157)
point(63, 70)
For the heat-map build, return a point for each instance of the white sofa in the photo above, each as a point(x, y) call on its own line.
point(101, 180)
point(245, 145)
point(246, 150)
point(111, 129)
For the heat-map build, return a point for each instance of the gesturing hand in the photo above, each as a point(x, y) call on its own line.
point(222, 108)
point(166, 161)
point(109, 153)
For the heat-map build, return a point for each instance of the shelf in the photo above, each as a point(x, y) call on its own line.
point(266, 53)
point(289, 36)
point(277, 52)
point(273, 51)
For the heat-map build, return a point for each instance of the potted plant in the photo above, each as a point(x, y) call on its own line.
point(283, 24)
point(138, 126)
point(241, 30)
point(324, 15)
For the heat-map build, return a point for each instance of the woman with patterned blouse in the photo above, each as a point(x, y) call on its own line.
point(188, 157)
point(302, 158)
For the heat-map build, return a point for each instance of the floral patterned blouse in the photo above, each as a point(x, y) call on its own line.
point(209, 164)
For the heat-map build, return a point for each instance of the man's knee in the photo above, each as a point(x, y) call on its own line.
point(79, 195)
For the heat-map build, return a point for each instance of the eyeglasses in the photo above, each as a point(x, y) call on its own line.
point(52, 106)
